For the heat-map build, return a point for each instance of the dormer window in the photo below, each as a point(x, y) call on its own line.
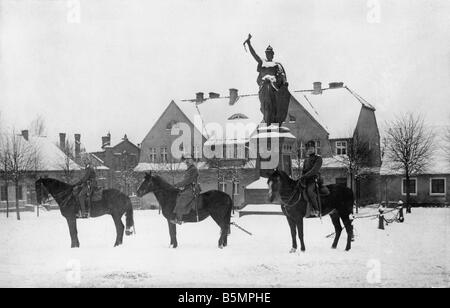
point(238, 116)
point(292, 119)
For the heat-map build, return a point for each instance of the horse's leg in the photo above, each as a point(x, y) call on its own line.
point(119, 229)
point(173, 234)
point(349, 229)
point(72, 223)
point(293, 234)
point(300, 234)
point(337, 228)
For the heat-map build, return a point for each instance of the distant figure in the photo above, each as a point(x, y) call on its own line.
point(273, 86)
point(88, 185)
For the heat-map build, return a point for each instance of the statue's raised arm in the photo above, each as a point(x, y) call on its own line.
point(252, 51)
point(273, 86)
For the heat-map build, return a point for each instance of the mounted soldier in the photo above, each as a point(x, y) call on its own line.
point(311, 176)
point(189, 188)
point(88, 185)
point(273, 86)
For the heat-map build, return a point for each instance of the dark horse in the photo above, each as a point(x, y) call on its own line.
point(113, 202)
point(215, 203)
point(338, 204)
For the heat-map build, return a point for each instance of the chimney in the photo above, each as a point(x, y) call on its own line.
point(77, 147)
point(334, 85)
point(199, 97)
point(233, 96)
point(317, 87)
point(106, 140)
point(62, 140)
point(214, 95)
point(25, 134)
point(125, 137)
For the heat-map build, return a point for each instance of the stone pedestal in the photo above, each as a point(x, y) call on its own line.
point(274, 147)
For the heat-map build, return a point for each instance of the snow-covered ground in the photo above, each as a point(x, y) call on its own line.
point(35, 252)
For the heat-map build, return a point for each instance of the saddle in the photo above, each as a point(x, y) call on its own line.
point(97, 194)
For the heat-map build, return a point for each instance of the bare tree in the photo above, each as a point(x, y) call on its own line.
point(38, 127)
point(409, 147)
point(446, 144)
point(69, 157)
point(23, 159)
point(356, 160)
point(5, 166)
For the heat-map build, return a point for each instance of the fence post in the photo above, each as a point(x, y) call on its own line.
point(381, 218)
point(401, 218)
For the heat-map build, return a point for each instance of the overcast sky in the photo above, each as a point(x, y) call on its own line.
point(118, 67)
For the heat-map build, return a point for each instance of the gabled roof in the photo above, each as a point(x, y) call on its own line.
point(336, 109)
point(49, 155)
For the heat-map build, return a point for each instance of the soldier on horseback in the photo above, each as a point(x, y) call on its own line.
point(310, 177)
point(88, 185)
point(274, 98)
point(188, 190)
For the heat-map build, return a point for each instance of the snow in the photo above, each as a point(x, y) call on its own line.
point(260, 183)
point(35, 252)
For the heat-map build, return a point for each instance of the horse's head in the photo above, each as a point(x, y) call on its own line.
point(146, 186)
point(274, 185)
point(41, 191)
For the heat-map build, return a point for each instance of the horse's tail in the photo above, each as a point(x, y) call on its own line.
point(129, 218)
point(228, 214)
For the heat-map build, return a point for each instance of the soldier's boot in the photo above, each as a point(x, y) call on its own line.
point(87, 208)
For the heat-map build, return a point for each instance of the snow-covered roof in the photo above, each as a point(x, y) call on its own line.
point(218, 113)
point(327, 162)
point(336, 109)
point(181, 166)
point(260, 183)
point(51, 158)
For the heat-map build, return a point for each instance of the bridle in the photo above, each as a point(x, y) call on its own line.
point(287, 204)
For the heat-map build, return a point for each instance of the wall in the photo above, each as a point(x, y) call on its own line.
point(423, 196)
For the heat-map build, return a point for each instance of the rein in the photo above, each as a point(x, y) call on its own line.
point(286, 204)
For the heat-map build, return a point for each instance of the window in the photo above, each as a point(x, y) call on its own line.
point(20, 192)
point(341, 147)
point(236, 188)
point(437, 186)
point(318, 149)
point(152, 155)
point(302, 150)
point(238, 116)
point(197, 152)
point(412, 186)
point(341, 181)
point(223, 186)
point(164, 155)
point(3, 193)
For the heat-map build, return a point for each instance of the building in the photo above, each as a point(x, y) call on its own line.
point(430, 187)
point(119, 160)
point(331, 116)
point(51, 162)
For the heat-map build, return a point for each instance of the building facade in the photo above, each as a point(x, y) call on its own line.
point(331, 116)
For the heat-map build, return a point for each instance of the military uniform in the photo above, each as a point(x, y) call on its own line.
point(89, 184)
point(311, 173)
point(186, 196)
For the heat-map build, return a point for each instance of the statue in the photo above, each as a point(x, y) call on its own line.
point(273, 86)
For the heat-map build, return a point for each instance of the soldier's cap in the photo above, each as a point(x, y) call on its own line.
point(269, 49)
point(310, 144)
